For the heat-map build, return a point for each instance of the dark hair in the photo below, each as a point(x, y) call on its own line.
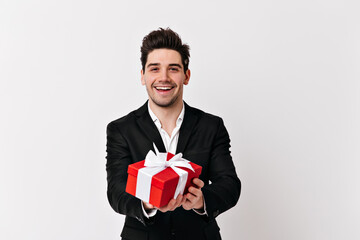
point(164, 38)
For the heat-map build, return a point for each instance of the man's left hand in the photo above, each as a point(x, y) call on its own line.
point(194, 198)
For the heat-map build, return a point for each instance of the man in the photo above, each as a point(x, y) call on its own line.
point(166, 120)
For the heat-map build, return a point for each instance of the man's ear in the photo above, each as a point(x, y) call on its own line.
point(187, 77)
point(142, 77)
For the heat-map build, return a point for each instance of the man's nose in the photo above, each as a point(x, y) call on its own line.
point(164, 75)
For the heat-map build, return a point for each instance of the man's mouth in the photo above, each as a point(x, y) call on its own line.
point(163, 88)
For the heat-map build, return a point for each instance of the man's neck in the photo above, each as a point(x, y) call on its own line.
point(167, 115)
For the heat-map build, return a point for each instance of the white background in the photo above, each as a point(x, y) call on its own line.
point(284, 76)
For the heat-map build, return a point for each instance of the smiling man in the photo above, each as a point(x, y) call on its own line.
point(163, 65)
point(166, 120)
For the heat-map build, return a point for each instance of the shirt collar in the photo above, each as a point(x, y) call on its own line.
point(157, 121)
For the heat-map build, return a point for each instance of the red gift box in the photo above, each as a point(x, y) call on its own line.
point(163, 184)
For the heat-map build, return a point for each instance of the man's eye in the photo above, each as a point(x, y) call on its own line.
point(174, 69)
point(154, 69)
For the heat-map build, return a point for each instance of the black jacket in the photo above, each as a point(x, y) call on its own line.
point(203, 140)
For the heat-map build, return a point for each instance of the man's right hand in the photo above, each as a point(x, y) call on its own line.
point(171, 206)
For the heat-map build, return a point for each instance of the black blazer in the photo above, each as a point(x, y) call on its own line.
point(203, 140)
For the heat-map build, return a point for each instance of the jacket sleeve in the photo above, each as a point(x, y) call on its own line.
point(224, 190)
point(118, 158)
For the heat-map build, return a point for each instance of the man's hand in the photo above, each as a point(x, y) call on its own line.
point(147, 206)
point(194, 198)
point(171, 206)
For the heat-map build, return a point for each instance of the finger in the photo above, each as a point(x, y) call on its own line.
point(147, 206)
point(187, 203)
point(150, 206)
point(163, 209)
point(183, 201)
point(173, 204)
point(179, 200)
point(196, 202)
point(168, 206)
point(191, 198)
point(177, 203)
point(198, 182)
point(195, 191)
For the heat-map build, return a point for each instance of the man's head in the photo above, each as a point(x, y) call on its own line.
point(164, 68)
point(164, 38)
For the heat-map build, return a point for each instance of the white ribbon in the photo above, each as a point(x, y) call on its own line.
point(155, 163)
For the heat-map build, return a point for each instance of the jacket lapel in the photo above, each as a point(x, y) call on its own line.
point(148, 127)
point(186, 129)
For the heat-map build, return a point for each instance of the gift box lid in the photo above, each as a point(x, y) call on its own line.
point(165, 178)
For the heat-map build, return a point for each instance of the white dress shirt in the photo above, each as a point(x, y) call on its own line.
point(170, 143)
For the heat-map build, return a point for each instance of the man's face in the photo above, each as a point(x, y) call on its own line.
point(164, 77)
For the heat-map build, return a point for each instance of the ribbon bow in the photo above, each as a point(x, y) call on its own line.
point(159, 160)
point(155, 163)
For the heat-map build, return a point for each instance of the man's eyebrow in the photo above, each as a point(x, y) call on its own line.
point(152, 64)
point(175, 65)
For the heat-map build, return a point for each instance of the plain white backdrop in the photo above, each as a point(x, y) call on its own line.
point(284, 76)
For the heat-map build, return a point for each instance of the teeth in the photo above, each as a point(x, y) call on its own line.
point(163, 88)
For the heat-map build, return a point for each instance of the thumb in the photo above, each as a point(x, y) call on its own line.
point(148, 206)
